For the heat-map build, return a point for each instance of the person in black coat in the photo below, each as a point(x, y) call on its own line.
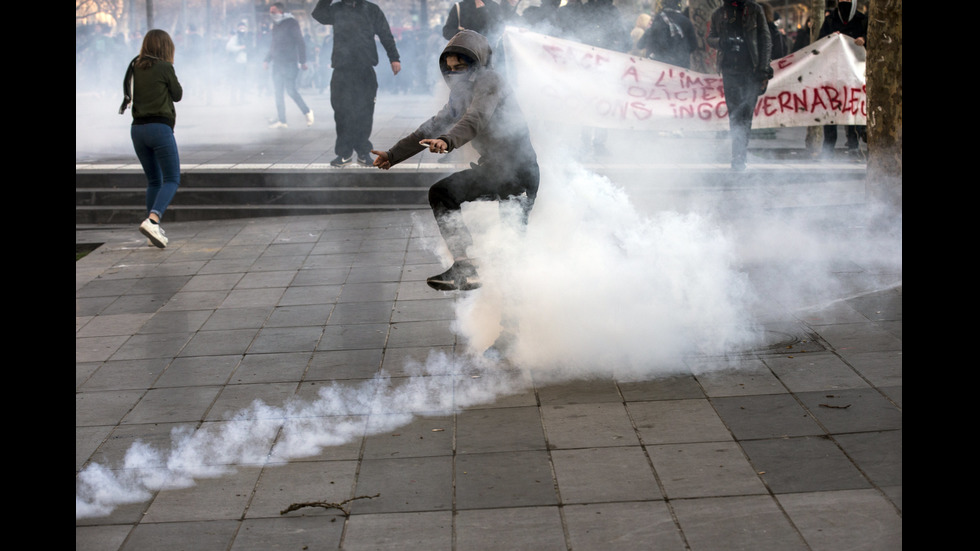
point(354, 84)
point(850, 22)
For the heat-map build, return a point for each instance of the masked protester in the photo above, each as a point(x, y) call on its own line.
point(847, 20)
point(483, 110)
point(740, 33)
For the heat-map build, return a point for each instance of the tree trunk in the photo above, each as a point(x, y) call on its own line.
point(884, 91)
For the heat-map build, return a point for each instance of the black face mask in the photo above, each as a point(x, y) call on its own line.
point(844, 8)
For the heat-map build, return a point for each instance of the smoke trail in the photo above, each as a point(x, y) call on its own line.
point(268, 435)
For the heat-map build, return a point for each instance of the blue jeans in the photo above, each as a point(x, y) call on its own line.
point(156, 149)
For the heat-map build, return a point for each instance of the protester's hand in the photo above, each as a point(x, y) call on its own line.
point(435, 145)
point(396, 66)
point(381, 160)
point(859, 41)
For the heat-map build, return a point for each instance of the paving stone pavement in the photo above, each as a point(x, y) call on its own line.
point(796, 445)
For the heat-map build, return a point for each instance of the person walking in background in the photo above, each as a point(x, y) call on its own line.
point(483, 110)
point(287, 54)
point(353, 83)
point(238, 47)
point(741, 35)
point(847, 20)
point(779, 46)
point(151, 86)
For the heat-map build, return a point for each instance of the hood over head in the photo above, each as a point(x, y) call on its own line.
point(470, 44)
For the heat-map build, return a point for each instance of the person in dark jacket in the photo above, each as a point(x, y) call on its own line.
point(287, 55)
point(354, 84)
point(847, 20)
point(738, 30)
point(671, 37)
point(152, 87)
point(481, 110)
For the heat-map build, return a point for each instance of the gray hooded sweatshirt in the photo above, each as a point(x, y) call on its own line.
point(482, 109)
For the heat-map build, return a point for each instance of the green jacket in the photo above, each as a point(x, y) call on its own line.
point(153, 92)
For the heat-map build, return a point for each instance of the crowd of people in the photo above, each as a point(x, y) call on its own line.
point(744, 33)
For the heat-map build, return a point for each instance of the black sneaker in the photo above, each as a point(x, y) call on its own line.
point(461, 276)
point(365, 160)
point(342, 161)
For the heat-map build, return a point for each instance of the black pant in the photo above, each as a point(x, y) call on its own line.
point(488, 182)
point(353, 91)
point(741, 92)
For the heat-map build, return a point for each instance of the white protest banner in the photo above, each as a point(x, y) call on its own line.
point(568, 82)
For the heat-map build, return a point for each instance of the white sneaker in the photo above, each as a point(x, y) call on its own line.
point(150, 241)
point(278, 124)
point(154, 232)
point(309, 118)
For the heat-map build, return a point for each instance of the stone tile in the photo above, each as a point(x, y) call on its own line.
point(677, 421)
point(704, 469)
point(750, 377)
point(579, 392)
point(302, 532)
point(272, 340)
point(218, 343)
point(153, 345)
point(97, 349)
point(882, 368)
point(479, 430)
point(672, 387)
point(282, 486)
point(270, 368)
point(399, 531)
point(209, 499)
point(250, 298)
point(421, 437)
point(860, 337)
point(423, 310)
point(147, 536)
point(100, 537)
point(320, 276)
point(173, 405)
point(176, 321)
point(310, 294)
point(508, 479)
point(111, 325)
point(354, 337)
point(877, 454)
point(852, 410)
point(422, 333)
point(227, 319)
point(829, 520)
point(766, 416)
point(300, 315)
point(125, 374)
point(361, 312)
point(363, 292)
point(520, 529)
point(594, 475)
point(105, 407)
point(633, 526)
point(805, 464)
point(344, 364)
point(404, 485)
point(812, 372)
point(236, 398)
point(213, 282)
point(263, 280)
point(739, 523)
point(588, 426)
